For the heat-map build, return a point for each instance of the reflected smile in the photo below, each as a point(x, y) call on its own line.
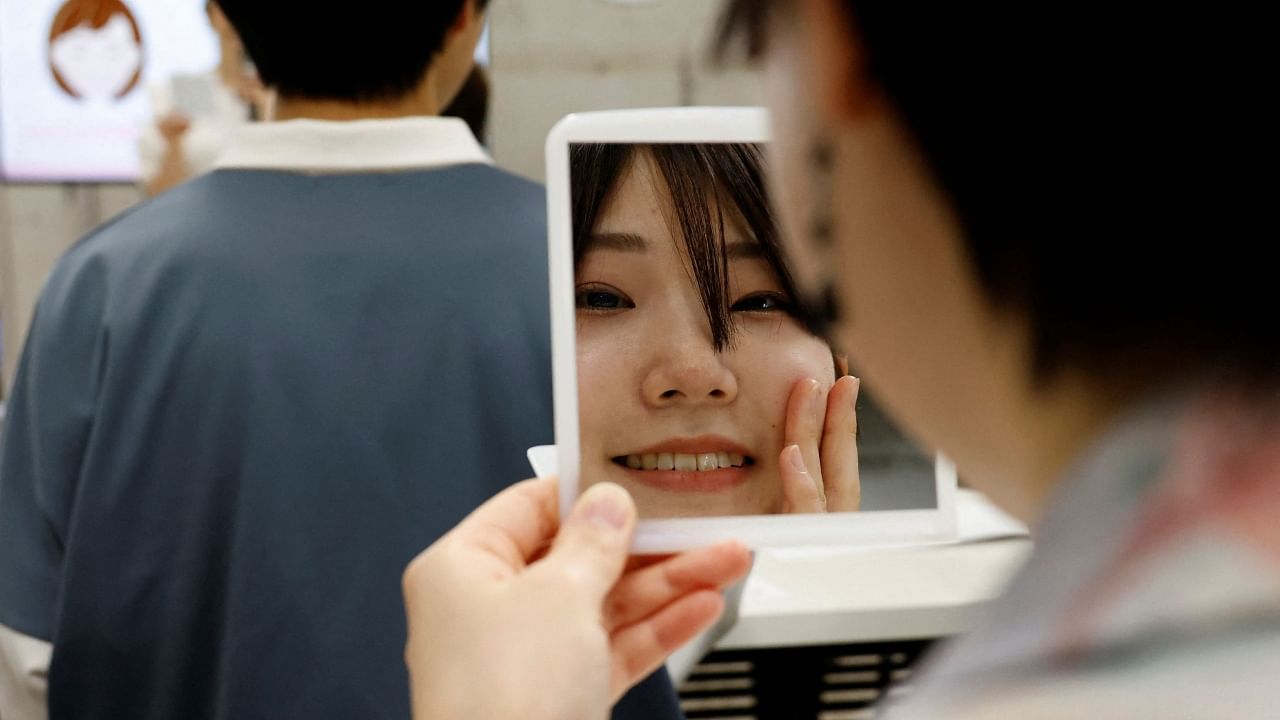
point(702, 464)
point(688, 462)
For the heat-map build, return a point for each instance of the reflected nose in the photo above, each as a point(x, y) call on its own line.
point(689, 372)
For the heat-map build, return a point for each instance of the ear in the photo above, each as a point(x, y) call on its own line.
point(842, 86)
point(467, 14)
point(215, 13)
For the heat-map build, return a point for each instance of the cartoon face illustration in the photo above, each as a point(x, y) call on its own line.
point(95, 50)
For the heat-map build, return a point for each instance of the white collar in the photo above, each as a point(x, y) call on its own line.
point(320, 147)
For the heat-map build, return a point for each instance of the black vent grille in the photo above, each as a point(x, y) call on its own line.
point(825, 682)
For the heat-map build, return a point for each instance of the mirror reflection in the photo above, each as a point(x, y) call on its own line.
point(701, 388)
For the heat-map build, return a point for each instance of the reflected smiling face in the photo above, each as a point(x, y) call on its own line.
point(688, 430)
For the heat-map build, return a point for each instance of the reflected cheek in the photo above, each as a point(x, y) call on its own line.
point(607, 385)
point(776, 370)
point(597, 389)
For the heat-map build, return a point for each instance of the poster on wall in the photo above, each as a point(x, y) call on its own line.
point(74, 79)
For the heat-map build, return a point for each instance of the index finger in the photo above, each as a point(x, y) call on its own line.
point(840, 447)
point(806, 414)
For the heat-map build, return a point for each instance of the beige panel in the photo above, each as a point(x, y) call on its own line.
point(37, 225)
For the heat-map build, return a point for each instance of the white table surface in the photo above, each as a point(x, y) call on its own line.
point(831, 595)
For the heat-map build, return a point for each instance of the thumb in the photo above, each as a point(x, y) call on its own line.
point(591, 547)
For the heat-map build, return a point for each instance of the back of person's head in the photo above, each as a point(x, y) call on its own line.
point(370, 51)
point(1094, 160)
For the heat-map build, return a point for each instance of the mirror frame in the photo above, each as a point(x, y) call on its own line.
point(694, 125)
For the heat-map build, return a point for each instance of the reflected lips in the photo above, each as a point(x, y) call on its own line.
point(681, 474)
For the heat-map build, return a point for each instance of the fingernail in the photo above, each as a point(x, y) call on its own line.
point(605, 505)
point(797, 459)
point(815, 398)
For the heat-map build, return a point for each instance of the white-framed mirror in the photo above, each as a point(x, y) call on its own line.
point(685, 372)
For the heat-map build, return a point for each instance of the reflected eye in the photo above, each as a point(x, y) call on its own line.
point(601, 299)
point(762, 303)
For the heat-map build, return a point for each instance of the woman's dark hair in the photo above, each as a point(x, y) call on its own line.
point(1094, 161)
point(704, 180)
point(373, 50)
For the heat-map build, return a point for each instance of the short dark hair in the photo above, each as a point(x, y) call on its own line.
point(1072, 147)
point(372, 50)
point(694, 174)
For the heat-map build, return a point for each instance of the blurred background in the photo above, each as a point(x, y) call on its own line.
point(68, 164)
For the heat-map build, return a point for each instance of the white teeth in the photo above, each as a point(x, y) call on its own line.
point(686, 462)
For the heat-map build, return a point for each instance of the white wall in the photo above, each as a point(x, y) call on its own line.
point(549, 58)
point(554, 57)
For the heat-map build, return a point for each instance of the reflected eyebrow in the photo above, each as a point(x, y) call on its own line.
point(621, 242)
